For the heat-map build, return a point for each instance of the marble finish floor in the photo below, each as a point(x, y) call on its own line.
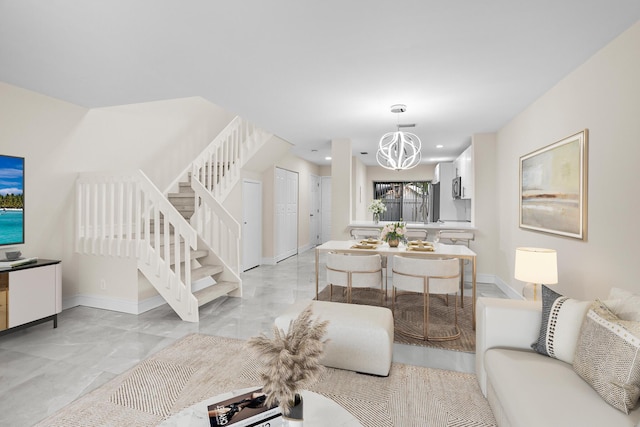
point(42, 369)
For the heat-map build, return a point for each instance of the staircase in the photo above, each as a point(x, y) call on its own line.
point(186, 243)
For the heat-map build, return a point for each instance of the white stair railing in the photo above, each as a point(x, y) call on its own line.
point(218, 229)
point(218, 166)
point(214, 173)
point(126, 215)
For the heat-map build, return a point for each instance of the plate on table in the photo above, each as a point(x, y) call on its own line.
point(420, 243)
point(370, 242)
point(420, 248)
point(363, 246)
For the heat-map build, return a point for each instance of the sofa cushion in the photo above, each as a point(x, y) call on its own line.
point(608, 356)
point(624, 304)
point(534, 390)
point(560, 326)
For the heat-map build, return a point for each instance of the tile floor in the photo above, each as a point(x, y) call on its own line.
point(42, 369)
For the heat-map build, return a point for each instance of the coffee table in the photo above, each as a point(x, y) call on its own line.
point(319, 411)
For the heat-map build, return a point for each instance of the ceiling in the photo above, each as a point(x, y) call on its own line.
point(310, 71)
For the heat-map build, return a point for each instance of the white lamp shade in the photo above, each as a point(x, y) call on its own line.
point(536, 265)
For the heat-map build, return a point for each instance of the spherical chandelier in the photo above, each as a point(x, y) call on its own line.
point(399, 150)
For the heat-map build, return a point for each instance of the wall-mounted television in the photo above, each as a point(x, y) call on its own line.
point(11, 200)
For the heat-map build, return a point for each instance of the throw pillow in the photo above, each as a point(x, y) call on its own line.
point(560, 327)
point(607, 357)
point(624, 304)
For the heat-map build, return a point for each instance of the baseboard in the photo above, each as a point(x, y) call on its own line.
point(508, 290)
point(269, 261)
point(114, 304)
point(305, 248)
point(301, 249)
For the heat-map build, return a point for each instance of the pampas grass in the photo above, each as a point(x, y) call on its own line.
point(291, 360)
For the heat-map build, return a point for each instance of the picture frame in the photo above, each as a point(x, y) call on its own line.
point(553, 188)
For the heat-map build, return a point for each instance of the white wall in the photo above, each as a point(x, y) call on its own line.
point(359, 201)
point(59, 140)
point(341, 188)
point(601, 95)
point(37, 128)
point(485, 217)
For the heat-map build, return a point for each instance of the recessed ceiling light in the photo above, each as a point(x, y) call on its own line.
point(439, 146)
point(327, 158)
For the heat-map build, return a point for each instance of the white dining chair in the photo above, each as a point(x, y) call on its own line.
point(354, 271)
point(365, 233)
point(416, 234)
point(426, 277)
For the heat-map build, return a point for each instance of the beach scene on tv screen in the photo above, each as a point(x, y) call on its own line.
point(11, 200)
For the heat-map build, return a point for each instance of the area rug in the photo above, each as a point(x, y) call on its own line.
point(199, 367)
point(408, 316)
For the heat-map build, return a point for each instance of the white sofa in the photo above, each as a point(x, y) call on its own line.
point(525, 388)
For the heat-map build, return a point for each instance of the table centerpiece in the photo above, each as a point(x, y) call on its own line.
point(394, 233)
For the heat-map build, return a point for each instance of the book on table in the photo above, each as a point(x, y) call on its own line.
point(245, 410)
point(17, 262)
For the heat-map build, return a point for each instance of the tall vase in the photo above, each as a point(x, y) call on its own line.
point(376, 218)
point(393, 243)
point(294, 418)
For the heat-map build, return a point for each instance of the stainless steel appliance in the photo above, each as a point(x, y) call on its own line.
point(434, 202)
point(456, 187)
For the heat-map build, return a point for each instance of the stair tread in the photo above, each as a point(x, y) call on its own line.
point(194, 254)
point(205, 271)
point(212, 292)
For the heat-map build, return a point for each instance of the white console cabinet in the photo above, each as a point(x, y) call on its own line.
point(33, 294)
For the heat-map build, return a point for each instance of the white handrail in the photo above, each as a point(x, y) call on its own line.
point(126, 215)
point(217, 228)
point(213, 174)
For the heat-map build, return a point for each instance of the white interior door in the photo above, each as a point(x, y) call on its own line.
point(325, 189)
point(286, 214)
point(251, 224)
point(280, 213)
point(314, 210)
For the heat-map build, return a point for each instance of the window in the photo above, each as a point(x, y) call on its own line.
point(408, 201)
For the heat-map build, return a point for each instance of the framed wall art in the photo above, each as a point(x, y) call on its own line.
point(553, 188)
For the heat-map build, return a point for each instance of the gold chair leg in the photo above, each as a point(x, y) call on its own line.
point(457, 333)
point(426, 316)
point(461, 283)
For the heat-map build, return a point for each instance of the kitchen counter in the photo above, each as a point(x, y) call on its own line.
point(446, 225)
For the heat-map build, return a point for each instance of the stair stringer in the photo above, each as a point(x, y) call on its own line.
point(125, 215)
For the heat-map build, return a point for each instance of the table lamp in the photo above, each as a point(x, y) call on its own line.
point(536, 266)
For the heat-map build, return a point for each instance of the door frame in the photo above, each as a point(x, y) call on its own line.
point(255, 206)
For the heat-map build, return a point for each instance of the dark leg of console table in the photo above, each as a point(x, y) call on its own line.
point(54, 318)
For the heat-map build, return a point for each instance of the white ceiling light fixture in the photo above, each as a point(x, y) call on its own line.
point(399, 150)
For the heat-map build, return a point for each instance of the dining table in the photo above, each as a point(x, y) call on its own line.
point(428, 250)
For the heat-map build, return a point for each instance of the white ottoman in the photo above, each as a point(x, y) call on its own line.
point(360, 336)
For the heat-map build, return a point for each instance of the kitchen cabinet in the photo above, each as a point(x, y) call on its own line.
point(447, 207)
point(464, 169)
point(436, 174)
